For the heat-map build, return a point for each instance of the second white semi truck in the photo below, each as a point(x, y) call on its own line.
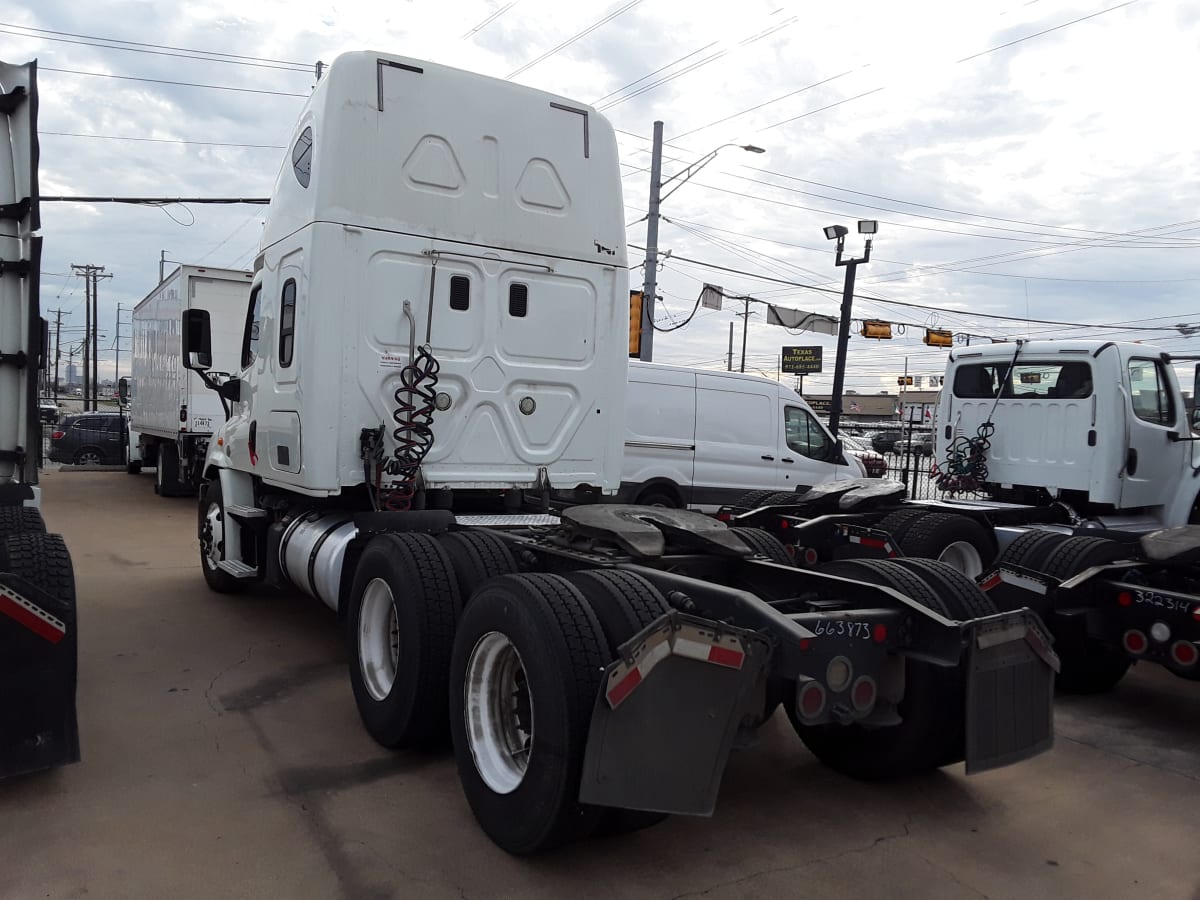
point(172, 414)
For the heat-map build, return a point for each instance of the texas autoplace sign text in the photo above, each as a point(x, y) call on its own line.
point(801, 360)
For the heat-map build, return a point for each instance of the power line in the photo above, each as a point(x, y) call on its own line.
point(213, 87)
point(488, 21)
point(50, 35)
point(573, 38)
point(119, 137)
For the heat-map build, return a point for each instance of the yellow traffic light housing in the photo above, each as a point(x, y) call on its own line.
point(904, 380)
point(874, 328)
point(635, 324)
point(937, 338)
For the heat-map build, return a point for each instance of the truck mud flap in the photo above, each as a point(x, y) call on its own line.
point(38, 726)
point(1010, 690)
point(667, 714)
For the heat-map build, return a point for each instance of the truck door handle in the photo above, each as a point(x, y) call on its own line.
point(768, 457)
point(787, 459)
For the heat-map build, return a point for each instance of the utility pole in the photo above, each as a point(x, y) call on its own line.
point(162, 261)
point(650, 281)
point(91, 352)
point(745, 314)
point(58, 314)
point(729, 363)
point(117, 347)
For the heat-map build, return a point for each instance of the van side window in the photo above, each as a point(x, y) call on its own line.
point(1149, 394)
point(253, 321)
point(287, 323)
point(804, 434)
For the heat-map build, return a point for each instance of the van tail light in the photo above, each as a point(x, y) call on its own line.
point(1184, 653)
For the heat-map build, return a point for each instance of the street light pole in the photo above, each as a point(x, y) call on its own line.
point(839, 370)
point(650, 276)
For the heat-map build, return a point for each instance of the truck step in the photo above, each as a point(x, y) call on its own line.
point(245, 512)
point(236, 568)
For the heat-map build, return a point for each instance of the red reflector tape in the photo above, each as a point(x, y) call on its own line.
point(31, 616)
point(990, 582)
point(723, 656)
point(624, 687)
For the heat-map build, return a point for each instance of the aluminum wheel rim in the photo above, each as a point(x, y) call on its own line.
point(497, 693)
point(89, 458)
point(963, 556)
point(378, 639)
point(215, 535)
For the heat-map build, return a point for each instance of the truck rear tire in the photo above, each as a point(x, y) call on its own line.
point(1088, 665)
point(959, 541)
point(475, 557)
point(21, 520)
point(752, 499)
point(526, 669)
point(212, 543)
point(624, 604)
point(898, 522)
point(764, 545)
point(966, 601)
point(166, 473)
point(929, 710)
point(400, 622)
point(1030, 550)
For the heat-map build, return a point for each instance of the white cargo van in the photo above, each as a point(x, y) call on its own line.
point(700, 438)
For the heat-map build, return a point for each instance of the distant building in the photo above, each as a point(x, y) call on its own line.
point(874, 409)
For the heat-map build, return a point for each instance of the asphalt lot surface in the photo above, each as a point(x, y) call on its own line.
point(222, 757)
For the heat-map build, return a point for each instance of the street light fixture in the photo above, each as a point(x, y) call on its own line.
point(838, 233)
point(657, 183)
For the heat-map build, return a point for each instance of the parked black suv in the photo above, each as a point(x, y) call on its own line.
point(97, 438)
point(883, 441)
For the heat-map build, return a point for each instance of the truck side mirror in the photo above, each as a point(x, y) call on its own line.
point(123, 390)
point(197, 340)
point(231, 390)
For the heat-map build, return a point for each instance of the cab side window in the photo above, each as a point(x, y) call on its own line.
point(804, 434)
point(253, 323)
point(1149, 392)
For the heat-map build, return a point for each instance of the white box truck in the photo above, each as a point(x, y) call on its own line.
point(172, 414)
point(701, 439)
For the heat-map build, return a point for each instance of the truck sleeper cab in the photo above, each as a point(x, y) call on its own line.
point(438, 319)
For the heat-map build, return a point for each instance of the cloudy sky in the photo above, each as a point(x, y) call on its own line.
point(1030, 162)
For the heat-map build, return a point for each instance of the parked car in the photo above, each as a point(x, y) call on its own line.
point(48, 410)
point(922, 445)
point(885, 441)
point(93, 438)
point(874, 463)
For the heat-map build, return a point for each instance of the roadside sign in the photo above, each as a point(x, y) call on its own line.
point(801, 360)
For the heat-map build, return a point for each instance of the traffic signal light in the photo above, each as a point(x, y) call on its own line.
point(635, 324)
point(873, 328)
point(903, 380)
point(937, 338)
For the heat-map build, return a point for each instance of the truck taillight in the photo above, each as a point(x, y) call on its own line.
point(1134, 642)
point(1184, 653)
point(1125, 598)
point(863, 694)
point(1196, 613)
point(810, 699)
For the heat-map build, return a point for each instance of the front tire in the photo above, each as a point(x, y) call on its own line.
point(526, 670)
point(400, 624)
point(212, 542)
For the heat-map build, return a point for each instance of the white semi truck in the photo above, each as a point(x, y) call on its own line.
point(171, 413)
point(38, 726)
point(1072, 479)
point(436, 330)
